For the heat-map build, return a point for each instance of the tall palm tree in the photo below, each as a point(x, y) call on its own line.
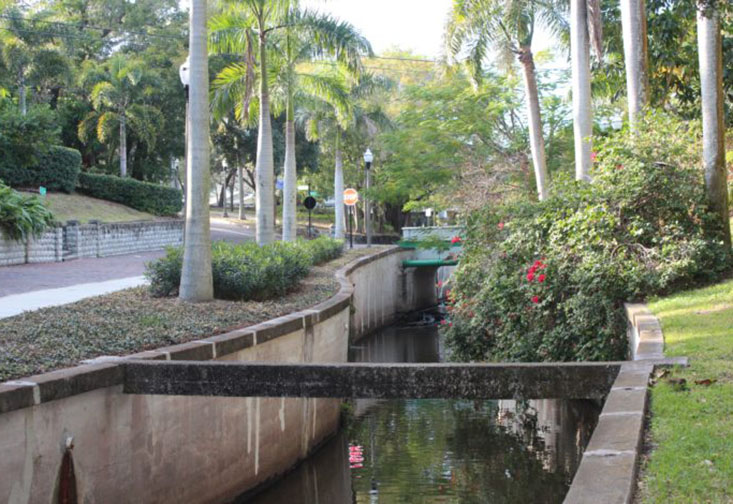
point(303, 37)
point(342, 115)
point(633, 24)
point(585, 27)
point(509, 26)
point(710, 50)
point(196, 275)
point(119, 87)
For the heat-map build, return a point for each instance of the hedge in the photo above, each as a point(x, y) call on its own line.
point(57, 170)
point(143, 196)
point(247, 271)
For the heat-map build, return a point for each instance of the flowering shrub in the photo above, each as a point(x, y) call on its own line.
point(547, 281)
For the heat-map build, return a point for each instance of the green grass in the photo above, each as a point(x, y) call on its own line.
point(83, 208)
point(692, 430)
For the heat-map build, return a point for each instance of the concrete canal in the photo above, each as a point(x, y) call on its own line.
point(425, 451)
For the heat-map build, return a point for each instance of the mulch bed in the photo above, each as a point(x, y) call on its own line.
point(131, 321)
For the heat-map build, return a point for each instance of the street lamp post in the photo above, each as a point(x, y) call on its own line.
point(183, 73)
point(368, 157)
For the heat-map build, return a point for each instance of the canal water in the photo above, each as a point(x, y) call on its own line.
point(440, 451)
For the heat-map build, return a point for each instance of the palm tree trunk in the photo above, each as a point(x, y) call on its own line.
point(290, 224)
point(123, 146)
point(196, 277)
point(710, 50)
point(338, 190)
point(633, 24)
point(582, 114)
point(22, 93)
point(240, 185)
point(264, 169)
point(536, 140)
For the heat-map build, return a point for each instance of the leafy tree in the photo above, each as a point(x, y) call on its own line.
point(509, 26)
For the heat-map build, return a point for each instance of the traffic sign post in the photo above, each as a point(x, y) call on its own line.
point(351, 198)
point(310, 204)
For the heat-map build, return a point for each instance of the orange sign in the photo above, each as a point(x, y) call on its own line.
point(351, 197)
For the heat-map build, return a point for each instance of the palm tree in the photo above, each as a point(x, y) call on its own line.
point(633, 24)
point(302, 37)
point(509, 26)
point(585, 26)
point(196, 275)
point(710, 49)
point(344, 114)
point(119, 88)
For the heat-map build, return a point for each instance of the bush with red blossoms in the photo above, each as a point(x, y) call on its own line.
point(550, 282)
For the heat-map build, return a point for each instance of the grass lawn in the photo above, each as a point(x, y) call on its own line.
point(83, 208)
point(692, 430)
point(130, 321)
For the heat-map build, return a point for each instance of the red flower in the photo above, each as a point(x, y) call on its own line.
point(535, 299)
point(456, 239)
point(541, 278)
point(530, 275)
point(443, 322)
point(439, 284)
point(593, 156)
point(500, 226)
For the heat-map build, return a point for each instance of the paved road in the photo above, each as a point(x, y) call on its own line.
point(34, 277)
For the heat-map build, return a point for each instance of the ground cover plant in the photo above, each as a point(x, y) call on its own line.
point(247, 271)
point(692, 421)
point(547, 281)
point(133, 320)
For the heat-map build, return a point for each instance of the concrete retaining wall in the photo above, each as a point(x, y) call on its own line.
point(145, 449)
point(95, 239)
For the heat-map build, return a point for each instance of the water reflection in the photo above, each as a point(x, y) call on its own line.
point(441, 451)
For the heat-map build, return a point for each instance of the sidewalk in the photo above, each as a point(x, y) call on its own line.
point(32, 286)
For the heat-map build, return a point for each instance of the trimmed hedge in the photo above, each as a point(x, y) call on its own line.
point(143, 196)
point(57, 170)
point(247, 271)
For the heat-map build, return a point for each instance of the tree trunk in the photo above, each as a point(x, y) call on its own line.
point(123, 146)
point(231, 191)
point(338, 190)
point(582, 114)
point(633, 24)
point(265, 232)
point(240, 185)
point(710, 50)
point(22, 93)
point(536, 140)
point(290, 179)
point(196, 276)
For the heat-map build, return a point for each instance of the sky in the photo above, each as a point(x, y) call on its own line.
point(416, 25)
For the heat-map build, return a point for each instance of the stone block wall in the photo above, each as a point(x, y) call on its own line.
point(46, 248)
point(96, 239)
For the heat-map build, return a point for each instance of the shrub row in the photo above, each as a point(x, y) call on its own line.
point(143, 196)
point(247, 271)
point(57, 170)
point(547, 281)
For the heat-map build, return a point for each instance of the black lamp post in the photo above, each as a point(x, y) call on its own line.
point(183, 73)
point(368, 158)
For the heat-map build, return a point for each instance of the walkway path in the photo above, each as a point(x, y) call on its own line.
point(33, 286)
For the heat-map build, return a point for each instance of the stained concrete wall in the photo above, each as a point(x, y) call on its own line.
point(163, 449)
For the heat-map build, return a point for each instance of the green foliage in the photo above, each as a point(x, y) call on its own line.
point(21, 216)
point(547, 281)
point(143, 196)
point(24, 138)
point(247, 271)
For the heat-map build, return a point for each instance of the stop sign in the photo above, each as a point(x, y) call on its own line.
point(351, 197)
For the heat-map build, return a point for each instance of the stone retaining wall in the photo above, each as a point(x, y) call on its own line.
point(153, 448)
point(96, 239)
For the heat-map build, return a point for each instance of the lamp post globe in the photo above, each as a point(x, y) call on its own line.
point(368, 158)
point(183, 72)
